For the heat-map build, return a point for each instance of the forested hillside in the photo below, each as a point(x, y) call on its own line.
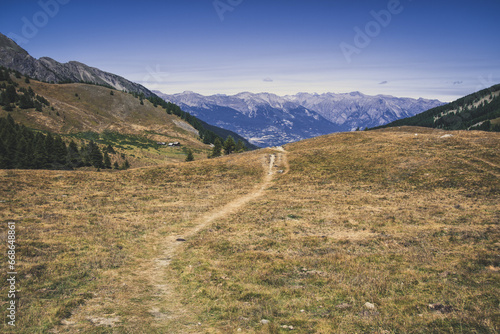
point(22, 148)
point(478, 111)
point(138, 127)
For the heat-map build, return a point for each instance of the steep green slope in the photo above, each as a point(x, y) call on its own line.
point(478, 111)
point(106, 116)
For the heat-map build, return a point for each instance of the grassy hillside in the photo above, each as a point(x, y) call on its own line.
point(82, 111)
point(405, 220)
point(478, 111)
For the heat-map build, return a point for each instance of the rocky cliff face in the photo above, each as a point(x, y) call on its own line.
point(48, 70)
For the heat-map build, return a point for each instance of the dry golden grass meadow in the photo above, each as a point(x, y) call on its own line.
point(393, 231)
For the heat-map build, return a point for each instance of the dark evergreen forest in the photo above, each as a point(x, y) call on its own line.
point(23, 148)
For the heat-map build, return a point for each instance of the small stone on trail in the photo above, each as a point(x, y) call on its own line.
point(369, 314)
point(264, 321)
point(343, 306)
point(441, 308)
point(370, 306)
point(110, 322)
point(444, 274)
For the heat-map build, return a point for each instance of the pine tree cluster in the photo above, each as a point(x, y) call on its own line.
point(22, 148)
point(23, 98)
point(229, 147)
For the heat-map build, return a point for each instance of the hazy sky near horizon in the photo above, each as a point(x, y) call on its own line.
point(415, 48)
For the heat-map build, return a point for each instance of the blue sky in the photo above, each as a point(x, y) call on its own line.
point(415, 48)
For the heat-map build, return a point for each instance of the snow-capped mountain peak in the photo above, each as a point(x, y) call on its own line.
point(268, 119)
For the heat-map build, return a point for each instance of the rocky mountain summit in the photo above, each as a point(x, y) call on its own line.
point(267, 119)
point(49, 70)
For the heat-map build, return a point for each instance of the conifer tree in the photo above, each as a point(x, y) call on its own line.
point(4, 151)
point(110, 149)
point(107, 160)
point(240, 146)
point(40, 156)
point(190, 156)
point(84, 154)
point(10, 94)
point(229, 145)
point(11, 121)
point(3, 97)
point(22, 158)
point(10, 148)
point(60, 151)
point(38, 106)
point(50, 147)
point(216, 151)
point(25, 102)
point(73, 158)
point(95, 155)
point(3, 155)
point(27, 133)
point(31, 93)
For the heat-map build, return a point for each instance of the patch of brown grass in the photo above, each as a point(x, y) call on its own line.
point(385, 217)
point(388, 218)
point(82, 237)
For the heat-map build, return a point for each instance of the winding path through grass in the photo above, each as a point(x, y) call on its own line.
point(168, 308)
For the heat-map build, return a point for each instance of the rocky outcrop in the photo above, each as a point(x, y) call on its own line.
point(49, 70)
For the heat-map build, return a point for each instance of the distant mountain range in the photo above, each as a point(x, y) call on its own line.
point(263, 119)
point(267, 119)
point(45, 69)
point(48, 70)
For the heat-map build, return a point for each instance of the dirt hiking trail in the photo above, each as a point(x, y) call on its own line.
point(174, 244)
point(164, 304)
